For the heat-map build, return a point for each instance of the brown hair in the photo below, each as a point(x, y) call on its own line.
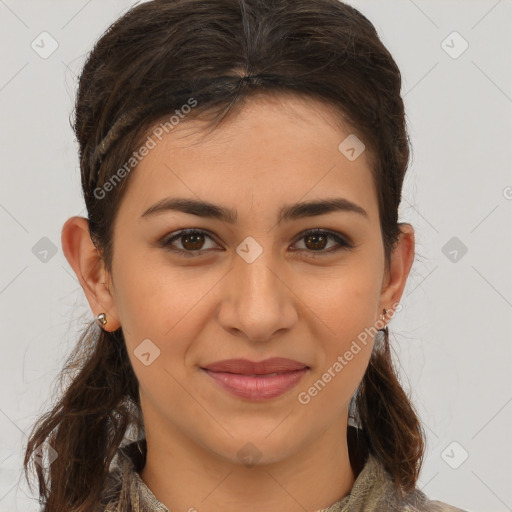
point(150, 63)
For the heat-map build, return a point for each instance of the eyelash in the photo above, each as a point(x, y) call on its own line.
point(343, 244)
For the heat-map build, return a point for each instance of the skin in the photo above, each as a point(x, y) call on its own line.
point(197, 310)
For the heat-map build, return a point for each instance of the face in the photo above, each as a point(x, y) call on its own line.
point(256, 286)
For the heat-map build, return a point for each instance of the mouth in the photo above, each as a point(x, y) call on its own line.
point(256, 380)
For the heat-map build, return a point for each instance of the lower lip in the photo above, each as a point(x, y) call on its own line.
point(257, 387)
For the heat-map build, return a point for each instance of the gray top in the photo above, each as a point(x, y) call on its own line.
point(373, 490)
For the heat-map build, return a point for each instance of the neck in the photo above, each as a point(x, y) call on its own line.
point(183, 475)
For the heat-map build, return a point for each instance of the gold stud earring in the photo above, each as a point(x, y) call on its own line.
point(101, 319)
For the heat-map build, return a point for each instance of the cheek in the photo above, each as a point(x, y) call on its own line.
point(345, 302)
point(343, 358)
point(335, 380)
point(345, 306)
point(167, 307)
point(151, 296)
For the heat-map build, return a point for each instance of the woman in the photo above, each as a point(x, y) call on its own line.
point(242, 165)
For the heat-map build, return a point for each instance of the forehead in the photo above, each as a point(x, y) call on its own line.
point(271, 151)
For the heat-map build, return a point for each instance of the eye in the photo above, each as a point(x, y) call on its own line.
point(316, 240)
point(192, 241)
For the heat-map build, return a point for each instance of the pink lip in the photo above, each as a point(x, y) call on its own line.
point(258, 387)
point(252, 380)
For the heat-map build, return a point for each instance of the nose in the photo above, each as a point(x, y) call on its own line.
point(257, 302)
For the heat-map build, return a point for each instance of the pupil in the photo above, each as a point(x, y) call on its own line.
point(195, 244)
point(322, 238)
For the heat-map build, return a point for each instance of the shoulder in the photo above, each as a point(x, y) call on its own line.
point(375, 491)
point(439, 506)
point(417, 501)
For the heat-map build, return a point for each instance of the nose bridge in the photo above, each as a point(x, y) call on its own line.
point(258, 283)
point(260, 304)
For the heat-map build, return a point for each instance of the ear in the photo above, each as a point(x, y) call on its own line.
point(402, 258)
point(87, 263)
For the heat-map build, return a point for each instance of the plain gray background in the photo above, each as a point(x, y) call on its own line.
point(453, 334)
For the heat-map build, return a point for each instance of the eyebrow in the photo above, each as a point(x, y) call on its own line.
point(287, 212)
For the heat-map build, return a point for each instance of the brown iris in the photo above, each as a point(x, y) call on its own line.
point(318, 241)
point(196, 241)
